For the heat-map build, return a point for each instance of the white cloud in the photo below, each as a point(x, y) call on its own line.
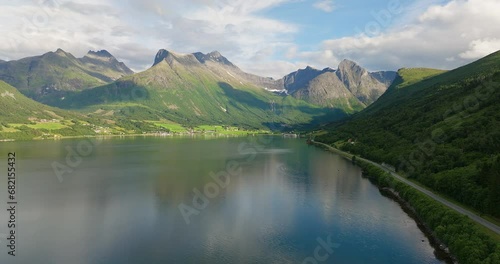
point(480, 48)
point(270, 68)
point(425, 33)
point(443, 36)
point(325, 5)
point(134, 30)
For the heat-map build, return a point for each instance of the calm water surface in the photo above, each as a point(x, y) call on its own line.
point(122, 204)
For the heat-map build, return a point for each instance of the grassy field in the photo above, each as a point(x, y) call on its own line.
point(205, 129)
point(45, 125)
point(68, 128)
point(226, 130)
point(173, 127)
point(414, 75)
point(9, 129)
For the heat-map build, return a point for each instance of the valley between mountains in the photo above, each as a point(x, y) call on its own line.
point(437, 128)
point(62, 95)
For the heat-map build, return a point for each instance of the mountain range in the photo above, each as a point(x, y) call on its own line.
point(53, 73)
point(193, 89)
point(350, 86)
point(196, 89)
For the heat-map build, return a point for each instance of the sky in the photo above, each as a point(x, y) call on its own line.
point(264, 37)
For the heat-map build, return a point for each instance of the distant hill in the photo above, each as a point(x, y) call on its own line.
point(441, 128)
point(52, 74)
point(193, 89)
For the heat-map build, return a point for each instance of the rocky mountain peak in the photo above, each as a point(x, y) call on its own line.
point(101, 60)
point(100, 53)
point(328, 69)
point(350, 72)
point(213, 56)
point(349, 80)
point(60, 52)
point(348, 65)
point(161, 55)
point(300, 78)
point(187, 60)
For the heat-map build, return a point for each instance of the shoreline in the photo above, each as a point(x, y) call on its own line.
point(441, 251)
point(143, 135)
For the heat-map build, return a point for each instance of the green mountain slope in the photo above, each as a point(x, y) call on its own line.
point(416, 77)
point(443, 131)
point(408, 76)
point(191, 91)
point(53, 73)
point(17, 108)
point(24, 118)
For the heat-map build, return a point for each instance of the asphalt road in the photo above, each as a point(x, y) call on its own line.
point(493, 227)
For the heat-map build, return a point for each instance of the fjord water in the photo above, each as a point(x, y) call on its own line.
point(120, 204)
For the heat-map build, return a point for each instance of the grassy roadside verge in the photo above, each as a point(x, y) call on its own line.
point(465, 239)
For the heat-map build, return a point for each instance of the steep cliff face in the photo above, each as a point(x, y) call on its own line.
point(360, 82)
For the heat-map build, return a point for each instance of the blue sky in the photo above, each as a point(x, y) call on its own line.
point(317, 24)
point(336, 20)
point(266, 37)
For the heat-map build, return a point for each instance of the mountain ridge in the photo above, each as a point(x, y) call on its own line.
point(194, 89)
point(53, 73)
point(364, 87)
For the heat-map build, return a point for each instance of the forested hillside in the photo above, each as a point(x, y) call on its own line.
point(443, 131)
